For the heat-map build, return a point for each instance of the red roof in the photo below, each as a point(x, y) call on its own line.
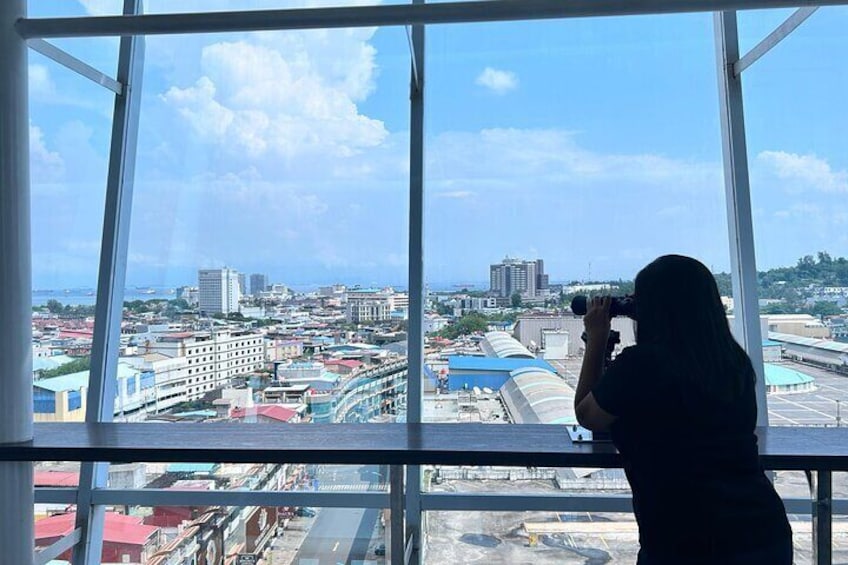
point(118, 528)
point(56, 479)
point(349, 363)
point(78, 333)
point(273, 411)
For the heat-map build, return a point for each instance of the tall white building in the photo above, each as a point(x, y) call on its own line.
point(527, 278)
point(218, 290)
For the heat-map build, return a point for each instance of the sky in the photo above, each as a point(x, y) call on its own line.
point(593, 144)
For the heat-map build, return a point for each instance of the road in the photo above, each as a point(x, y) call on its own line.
point(342, 535)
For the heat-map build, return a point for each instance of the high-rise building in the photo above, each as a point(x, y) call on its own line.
point(258, 283)
point(242, 278)
point(218, 290)
point(526, 278)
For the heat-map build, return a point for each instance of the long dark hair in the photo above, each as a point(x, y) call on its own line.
point(679, 311)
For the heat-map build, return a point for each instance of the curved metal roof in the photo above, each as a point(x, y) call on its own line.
point(503, 345)
point(537, 396)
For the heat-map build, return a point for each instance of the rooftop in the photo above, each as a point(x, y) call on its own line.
point(118, 528)
point(473, 363)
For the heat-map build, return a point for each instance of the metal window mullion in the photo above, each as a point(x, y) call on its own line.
point(76, 65)
point(16, 408)
point(743, 265)
point(381, 15)
point(57, 548)
point(171, 497)
point(100, 403)
point(779, 34)
point(415, 344)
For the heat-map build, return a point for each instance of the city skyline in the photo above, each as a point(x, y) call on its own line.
point(310, 183)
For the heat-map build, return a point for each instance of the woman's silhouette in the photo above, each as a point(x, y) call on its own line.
point(681, 408)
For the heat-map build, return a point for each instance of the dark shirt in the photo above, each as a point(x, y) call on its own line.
point(692, 462)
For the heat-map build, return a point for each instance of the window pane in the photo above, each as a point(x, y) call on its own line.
point(221, 534)
point(530, 537)
point(269, 227)
point(564, 156)
point(799, 177)
point(70, 129)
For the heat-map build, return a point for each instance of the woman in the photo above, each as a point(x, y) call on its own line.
point(681, 408)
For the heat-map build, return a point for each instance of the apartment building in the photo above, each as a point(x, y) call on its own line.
point(213, 358)
point(218, 290)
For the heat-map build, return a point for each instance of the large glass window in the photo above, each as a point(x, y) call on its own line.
point(267, 273)
point(268, 242)
point(70, 128)
point(799, 177)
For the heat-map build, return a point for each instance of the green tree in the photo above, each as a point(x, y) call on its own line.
point(444, 309)
point(825, 308)
point(515, 299)
point(180, 304)
point(468, 324)
point(75, 366)
point(54, 306)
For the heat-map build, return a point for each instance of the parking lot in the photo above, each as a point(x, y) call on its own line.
point(816, 408)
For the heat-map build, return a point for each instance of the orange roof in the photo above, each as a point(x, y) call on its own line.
point(118, 528)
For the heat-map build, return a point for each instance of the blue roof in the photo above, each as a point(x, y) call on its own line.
point(471, 363)
point(784, 376)
point(771, 343)
point(74, 381)
point(197, 413)
point(191, 467)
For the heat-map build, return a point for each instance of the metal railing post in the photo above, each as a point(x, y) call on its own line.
point(822, 492)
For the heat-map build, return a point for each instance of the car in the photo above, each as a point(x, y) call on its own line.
point(380, 549)
point(306, 512)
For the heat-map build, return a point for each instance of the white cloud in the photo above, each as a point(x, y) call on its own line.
point(804, 172)
point(499, 82)
point(511, 158)
point(45, 165)
point(40, 83)
point(101, 7)
point(267, 100)
point(456, 194)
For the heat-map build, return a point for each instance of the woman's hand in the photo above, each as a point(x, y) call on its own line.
point(597, 319)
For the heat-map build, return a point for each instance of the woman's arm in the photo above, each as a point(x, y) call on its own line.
point(597, 321)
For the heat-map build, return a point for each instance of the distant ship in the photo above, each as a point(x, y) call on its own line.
point(145, 290)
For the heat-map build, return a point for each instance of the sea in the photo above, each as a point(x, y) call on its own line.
point(88, 296)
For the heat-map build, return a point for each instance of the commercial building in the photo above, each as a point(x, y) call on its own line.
point(212, 358)
point(543, 332)
point(365, 311)
point(527, 278)
point(63, 398)
point(467, 372)
point(258, 283)
point(218, 290)
point(803, 325)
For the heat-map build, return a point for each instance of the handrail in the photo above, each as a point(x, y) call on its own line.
point(781, 448)
point(819, 451)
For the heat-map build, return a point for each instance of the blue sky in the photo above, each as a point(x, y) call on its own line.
point(593, 144)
